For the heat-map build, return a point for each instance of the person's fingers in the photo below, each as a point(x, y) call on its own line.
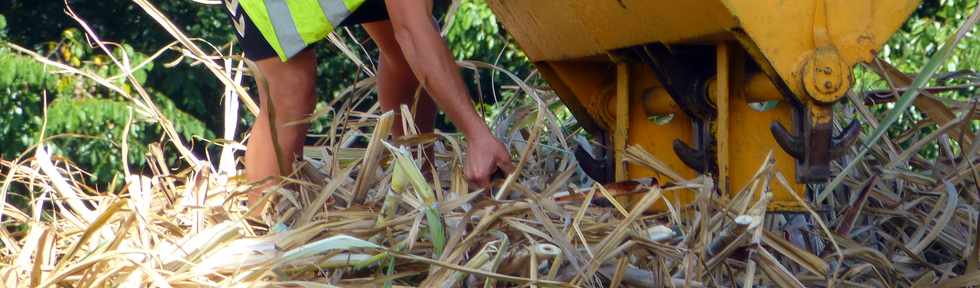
point(482, 181)
point(506, 165)
point(476, 178)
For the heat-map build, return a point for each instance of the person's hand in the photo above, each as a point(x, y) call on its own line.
point(484, 156)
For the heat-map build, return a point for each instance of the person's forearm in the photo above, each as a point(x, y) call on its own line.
point(437, 72)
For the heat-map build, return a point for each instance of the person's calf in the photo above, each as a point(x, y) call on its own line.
point(286, 90)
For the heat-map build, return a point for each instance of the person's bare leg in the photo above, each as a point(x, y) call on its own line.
point(396, 82)
point(290, 87)
point(397, 86)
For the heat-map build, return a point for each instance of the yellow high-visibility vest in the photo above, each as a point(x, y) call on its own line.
point(291, 25)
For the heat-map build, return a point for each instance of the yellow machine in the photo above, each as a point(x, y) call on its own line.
point(708, 66)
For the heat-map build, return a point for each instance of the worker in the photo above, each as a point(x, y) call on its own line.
point(277, 34)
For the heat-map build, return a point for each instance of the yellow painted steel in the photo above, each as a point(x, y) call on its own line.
point(657, 138)
point(777, 33)
point(723, 123)
point(573, 29)
point(793, 43)
point(782, 31)
point(620, 137)
point(751, 141)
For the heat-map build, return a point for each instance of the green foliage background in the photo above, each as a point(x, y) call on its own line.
point(85, 121)
point(910, 49)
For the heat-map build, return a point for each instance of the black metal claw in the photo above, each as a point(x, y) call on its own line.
point(793, 145)
point(599, 168)
point(699, 160)
point(685, 74)
point(847, 137)
point(790, 143)
point(815, 147)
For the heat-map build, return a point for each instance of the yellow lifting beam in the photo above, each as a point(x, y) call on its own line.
point(707, 66)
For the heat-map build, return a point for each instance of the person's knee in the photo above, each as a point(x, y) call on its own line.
point(292, 87)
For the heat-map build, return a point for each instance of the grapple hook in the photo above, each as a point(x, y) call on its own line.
point(814, 144)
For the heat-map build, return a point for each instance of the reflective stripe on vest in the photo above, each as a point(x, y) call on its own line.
point(335, 10)
point(290, 25)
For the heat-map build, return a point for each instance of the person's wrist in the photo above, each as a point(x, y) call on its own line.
point(480, 132)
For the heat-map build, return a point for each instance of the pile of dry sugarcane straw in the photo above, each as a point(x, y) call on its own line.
point(366, 216)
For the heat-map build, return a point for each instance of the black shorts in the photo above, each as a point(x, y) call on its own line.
point(255, 46)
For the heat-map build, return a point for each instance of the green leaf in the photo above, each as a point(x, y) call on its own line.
point(339, 242)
